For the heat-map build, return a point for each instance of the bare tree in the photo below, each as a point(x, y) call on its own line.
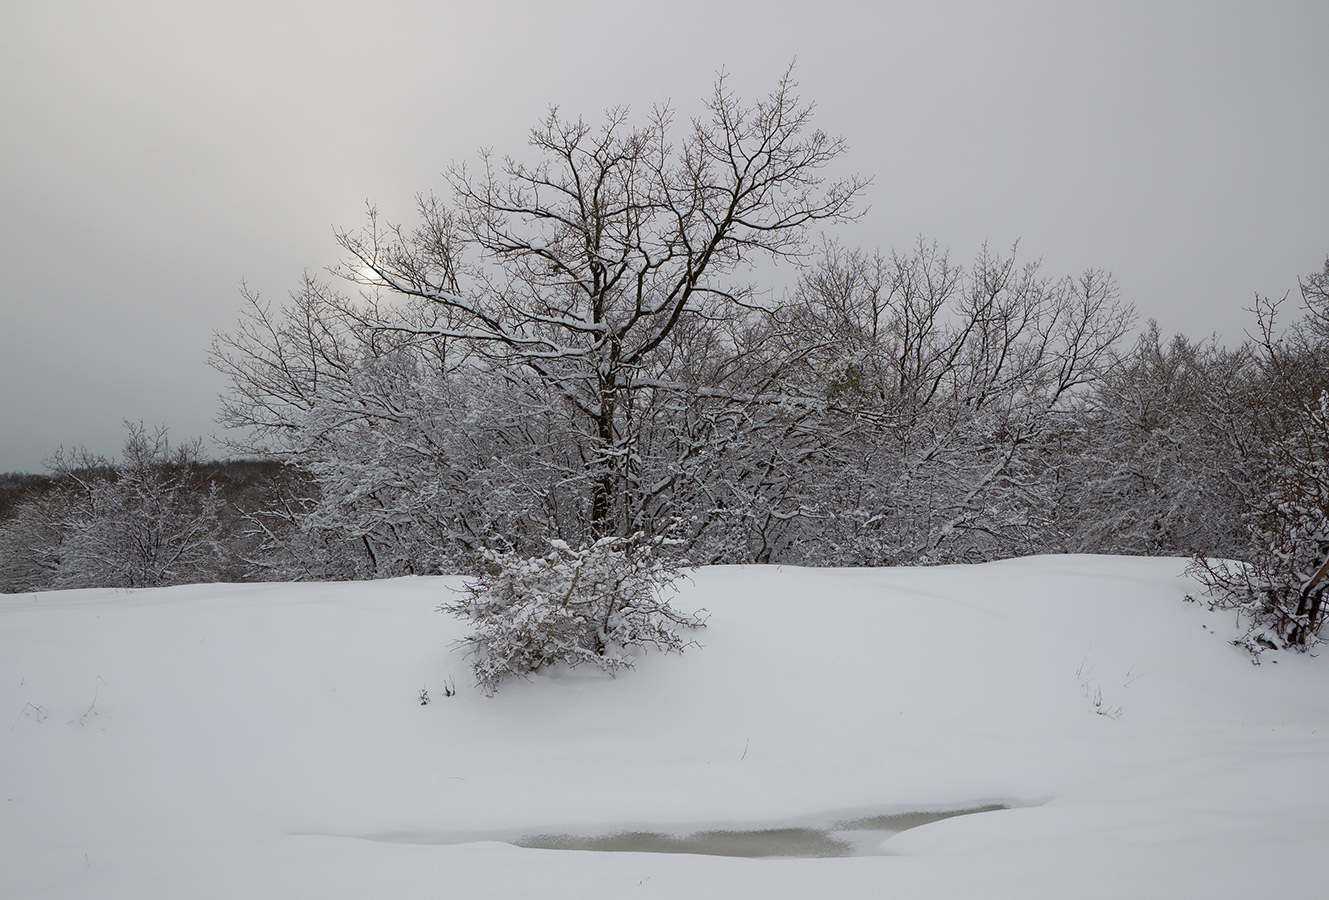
point(1169, 458)
point(1281, 586)
point(139, 523)
point(144, 527)
point(540, 332)
point(954, 390)
point(1315, 293)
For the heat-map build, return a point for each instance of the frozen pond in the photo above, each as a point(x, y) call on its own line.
point(832, 837)
point(859, 836)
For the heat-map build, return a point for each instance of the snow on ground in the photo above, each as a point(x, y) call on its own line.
point(267, 741)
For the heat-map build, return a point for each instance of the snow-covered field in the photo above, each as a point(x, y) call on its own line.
point(267, 741)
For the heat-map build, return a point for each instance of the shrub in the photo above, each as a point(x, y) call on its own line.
point(1280, 593)
point(588, 605)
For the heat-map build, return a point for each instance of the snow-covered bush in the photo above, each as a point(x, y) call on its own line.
point(586, 605)
point(1280, 592)
point(1281, 589)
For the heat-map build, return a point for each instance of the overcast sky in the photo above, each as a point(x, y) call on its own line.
point(154, 154)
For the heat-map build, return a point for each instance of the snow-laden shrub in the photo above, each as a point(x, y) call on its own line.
point(1280, 592)
point(586, 605)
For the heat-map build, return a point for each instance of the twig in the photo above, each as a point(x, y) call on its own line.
point(40, 712)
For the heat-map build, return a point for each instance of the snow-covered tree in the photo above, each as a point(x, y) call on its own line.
point(564, 347)
point(951, 393)
point(30, 540)
point(144, 527)
point(1168, 456)
point(139, 523)
point(1280, 587)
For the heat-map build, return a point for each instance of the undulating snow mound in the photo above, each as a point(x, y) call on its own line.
point(269, 741)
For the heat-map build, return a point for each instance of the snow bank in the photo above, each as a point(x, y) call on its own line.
point(268, 741)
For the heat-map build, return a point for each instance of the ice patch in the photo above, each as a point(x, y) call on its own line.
point(818, 837)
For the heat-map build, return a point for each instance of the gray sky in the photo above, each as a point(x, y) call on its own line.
point(153, 154)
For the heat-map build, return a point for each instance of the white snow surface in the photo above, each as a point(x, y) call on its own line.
point(267, 741)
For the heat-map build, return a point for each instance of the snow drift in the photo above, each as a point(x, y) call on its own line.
point(269, 741)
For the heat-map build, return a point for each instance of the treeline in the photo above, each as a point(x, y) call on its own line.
point(160, 515)
point(877, 452)
point(567, 350)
